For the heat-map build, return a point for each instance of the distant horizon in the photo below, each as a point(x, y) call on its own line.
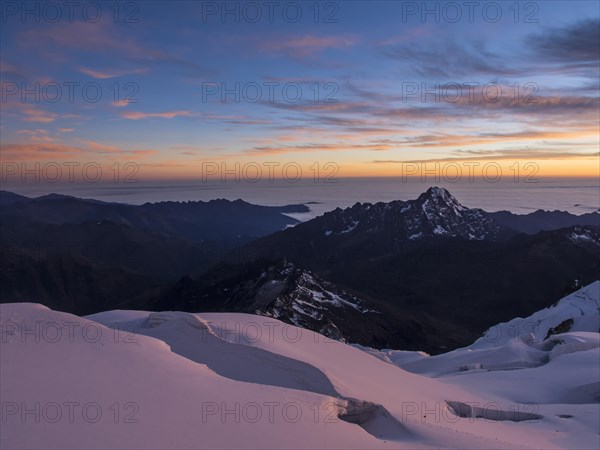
point(576, 195)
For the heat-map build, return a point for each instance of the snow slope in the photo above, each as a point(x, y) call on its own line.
point(572, 325)
point(165, 400)
point(136, 379)
point(549, 363)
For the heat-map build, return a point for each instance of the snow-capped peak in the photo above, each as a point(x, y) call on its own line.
point(435, 212)
point(438, 192)
point(438, 197)
point(444, 215)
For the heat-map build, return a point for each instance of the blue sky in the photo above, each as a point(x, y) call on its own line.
point(528, 84)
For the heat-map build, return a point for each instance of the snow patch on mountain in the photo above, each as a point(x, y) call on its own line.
point(314, 303)
point(585, 236)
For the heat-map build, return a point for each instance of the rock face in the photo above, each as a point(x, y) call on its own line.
point(437, 212)
point(285, 292)
point(297, 296)
point(308, 301)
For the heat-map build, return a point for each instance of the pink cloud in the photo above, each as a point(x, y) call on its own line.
point(102, 37)
point(36, 152)
point(101, 148)
point(136, 115)
point(106, 74)
point(33, 114)
point(121, 103)
point(38, 135)
point(48, 151)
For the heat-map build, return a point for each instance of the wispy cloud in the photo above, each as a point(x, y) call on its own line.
point(38, 135)
point(137, 115)
point(236, 119)
point(429, 141)
point(569, 49)
point(577, 42)
point(38, 115)
point(111, 73)
point(318, 147)
point(11, 71)
point(103, 38)
point(450, 58)
point(32, 112)
point(121, 103)
point(448, 140)
point(43, 151)
point(301, 46)
point(500, 155)
point(37, 152)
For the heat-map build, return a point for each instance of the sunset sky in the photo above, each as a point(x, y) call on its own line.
point(529, 85)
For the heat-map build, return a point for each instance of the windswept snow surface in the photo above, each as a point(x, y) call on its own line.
point(136, 379)
point(547, 363)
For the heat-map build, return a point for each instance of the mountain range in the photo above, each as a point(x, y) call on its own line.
point(83, 255)
point(426, 274)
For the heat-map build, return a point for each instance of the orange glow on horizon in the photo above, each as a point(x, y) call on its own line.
point(449, 170)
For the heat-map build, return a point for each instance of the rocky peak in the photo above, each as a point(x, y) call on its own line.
point(435, 212)
point(439, 198)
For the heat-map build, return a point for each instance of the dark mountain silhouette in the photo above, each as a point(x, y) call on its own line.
point(219, 221)
point(541, 220)
point(433, 256)
point(84, 256)
point(425, 274)
point(8, 198)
